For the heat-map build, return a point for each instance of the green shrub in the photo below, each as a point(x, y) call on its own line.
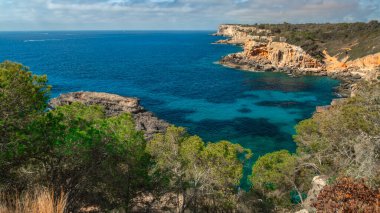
point(344, 140)
point(207, 176)
point(274, 175)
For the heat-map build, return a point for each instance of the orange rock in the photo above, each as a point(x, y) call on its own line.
point(281, 54)
point(260, 46)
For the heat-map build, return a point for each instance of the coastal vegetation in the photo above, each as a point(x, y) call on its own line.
point(85, 159)
point(104, 161)
point(354, 39)
point(342, 141)
point(204, 176)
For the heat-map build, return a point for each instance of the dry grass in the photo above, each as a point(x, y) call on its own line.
point(39, 200)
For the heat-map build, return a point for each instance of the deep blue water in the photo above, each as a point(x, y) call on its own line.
point(174, 75)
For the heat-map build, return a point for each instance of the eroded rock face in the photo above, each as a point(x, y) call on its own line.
point(115, 105)
point(281, 54)
point(366, 62)
point(239, 34)
point(368, 67)
point(274, 56)
point(263, 52)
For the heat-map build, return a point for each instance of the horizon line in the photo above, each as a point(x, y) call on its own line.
point(195, 29)
point(60, 30)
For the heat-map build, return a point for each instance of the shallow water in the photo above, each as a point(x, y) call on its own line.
point(174, 75)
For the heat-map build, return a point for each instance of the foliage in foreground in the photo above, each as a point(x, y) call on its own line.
point(104, 161)
point(344, 141)
point(23, 97)
point(206, 176)
point(273, 174)
point(76, 148)
point(340, 142)
point(348, 195)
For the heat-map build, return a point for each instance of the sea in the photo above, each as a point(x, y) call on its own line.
point(175, 74)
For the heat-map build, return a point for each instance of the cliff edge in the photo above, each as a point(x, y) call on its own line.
point(273, 48)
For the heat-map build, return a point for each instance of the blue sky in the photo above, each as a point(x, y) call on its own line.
point(175, 14)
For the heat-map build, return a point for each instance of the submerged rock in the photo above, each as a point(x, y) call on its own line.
point(115, 105)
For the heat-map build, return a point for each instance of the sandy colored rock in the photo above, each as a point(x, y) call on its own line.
point(263, 52)
point(280, 55)
point(239, 34)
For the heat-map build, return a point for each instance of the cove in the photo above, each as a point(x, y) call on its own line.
point(174, 75)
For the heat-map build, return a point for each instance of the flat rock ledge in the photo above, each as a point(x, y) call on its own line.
point(115, 105)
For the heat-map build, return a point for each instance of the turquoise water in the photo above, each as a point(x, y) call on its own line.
point(174, 75)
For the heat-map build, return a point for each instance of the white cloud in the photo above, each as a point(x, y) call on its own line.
point(175, 14)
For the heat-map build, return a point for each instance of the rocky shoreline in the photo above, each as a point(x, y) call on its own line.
point(347, 79)
point(260, 53)
point(268, 53)
point(115, 105)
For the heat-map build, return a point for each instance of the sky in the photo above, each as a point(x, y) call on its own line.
point(176, 14)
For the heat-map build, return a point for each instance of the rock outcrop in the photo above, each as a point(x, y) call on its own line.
point(273, 56)
point(115, 105)
point(367, 67)
point(239, 34)
point(263, 52)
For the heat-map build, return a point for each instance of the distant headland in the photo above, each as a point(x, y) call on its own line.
point(347, 51)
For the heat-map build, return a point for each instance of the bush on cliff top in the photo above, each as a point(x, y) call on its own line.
point(355, 39)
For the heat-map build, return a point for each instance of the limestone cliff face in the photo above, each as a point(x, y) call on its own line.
point(264, 52)
point(239, 34)
point(367, 67)
point(273, 56)
point(367, 62)
point(115, 105)
point(281, 55)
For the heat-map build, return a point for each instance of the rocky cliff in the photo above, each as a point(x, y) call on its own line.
point(262, 51)
point(270, 56)
point(367, 67)
point(114, 105)
point(239, 34)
